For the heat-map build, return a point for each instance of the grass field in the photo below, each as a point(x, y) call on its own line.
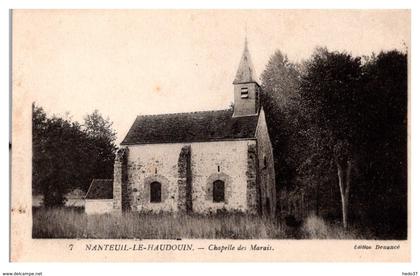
point(73, 223)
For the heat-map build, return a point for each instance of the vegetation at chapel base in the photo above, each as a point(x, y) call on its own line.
point(73, 223)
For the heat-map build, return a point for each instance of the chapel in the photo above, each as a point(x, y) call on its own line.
point(200, 162)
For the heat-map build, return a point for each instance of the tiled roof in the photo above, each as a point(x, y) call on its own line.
point(190, 127)
point(100, 189)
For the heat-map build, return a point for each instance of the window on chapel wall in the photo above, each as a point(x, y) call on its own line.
point(155, 192)
point(218, 191)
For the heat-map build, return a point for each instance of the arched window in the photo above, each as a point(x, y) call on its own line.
point(155, 192)
point(218, 191)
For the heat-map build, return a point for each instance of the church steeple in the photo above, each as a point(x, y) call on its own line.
point(246, 87)
point(245, 72)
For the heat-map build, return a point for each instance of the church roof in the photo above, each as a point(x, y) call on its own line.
point(246, 72)
point(100, 189)
point(200, 126)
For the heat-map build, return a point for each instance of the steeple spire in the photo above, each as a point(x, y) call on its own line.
point(245, 72)
point(245, 86)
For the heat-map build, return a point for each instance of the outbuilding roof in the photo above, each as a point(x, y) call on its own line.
point(100, 189)
point(201, 126)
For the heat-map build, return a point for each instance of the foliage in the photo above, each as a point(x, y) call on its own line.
point(342, 111)
point(383, 192)
point(98, 127)
point(331, 107)
point(67, 156)
point(280, 82)
point(101, 138)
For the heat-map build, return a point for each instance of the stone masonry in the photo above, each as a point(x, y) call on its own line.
point(184, 180)
point(187, 173)
point(252, 189)
point(120, 180)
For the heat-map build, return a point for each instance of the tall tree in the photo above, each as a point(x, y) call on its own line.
point(280, 82)
point(101, 141)
point(385, 170)
point(97, 126)
point(332, 105)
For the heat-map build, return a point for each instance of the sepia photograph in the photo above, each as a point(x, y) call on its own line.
point(244, 125)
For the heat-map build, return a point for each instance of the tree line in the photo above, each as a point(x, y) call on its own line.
point(67, 155)
point(338, 125)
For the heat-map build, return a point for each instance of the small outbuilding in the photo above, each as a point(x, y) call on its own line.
point(99, 198)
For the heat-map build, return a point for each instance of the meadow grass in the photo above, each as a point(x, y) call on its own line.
point(72, 223)
point(316, 228)
point(68, 223)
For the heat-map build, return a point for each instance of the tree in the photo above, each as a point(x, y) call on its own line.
point(339, 133)
point(67, 156)
point(98, 127)
point(332, 106)
point(280, 82)
point(384, 197)
point(101, 144)
point(56, 156)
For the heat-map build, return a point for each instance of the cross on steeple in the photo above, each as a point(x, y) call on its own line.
point(246, 33)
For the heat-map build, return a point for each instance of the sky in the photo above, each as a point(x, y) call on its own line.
point(134, 62)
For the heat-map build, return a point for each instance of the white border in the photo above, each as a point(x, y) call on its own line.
point(206, 269)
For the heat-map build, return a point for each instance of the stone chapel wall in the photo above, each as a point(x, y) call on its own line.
point(226, 161)
point(174, 165)
point(266, 168)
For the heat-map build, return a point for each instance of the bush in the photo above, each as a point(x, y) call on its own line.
point(317, 228)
